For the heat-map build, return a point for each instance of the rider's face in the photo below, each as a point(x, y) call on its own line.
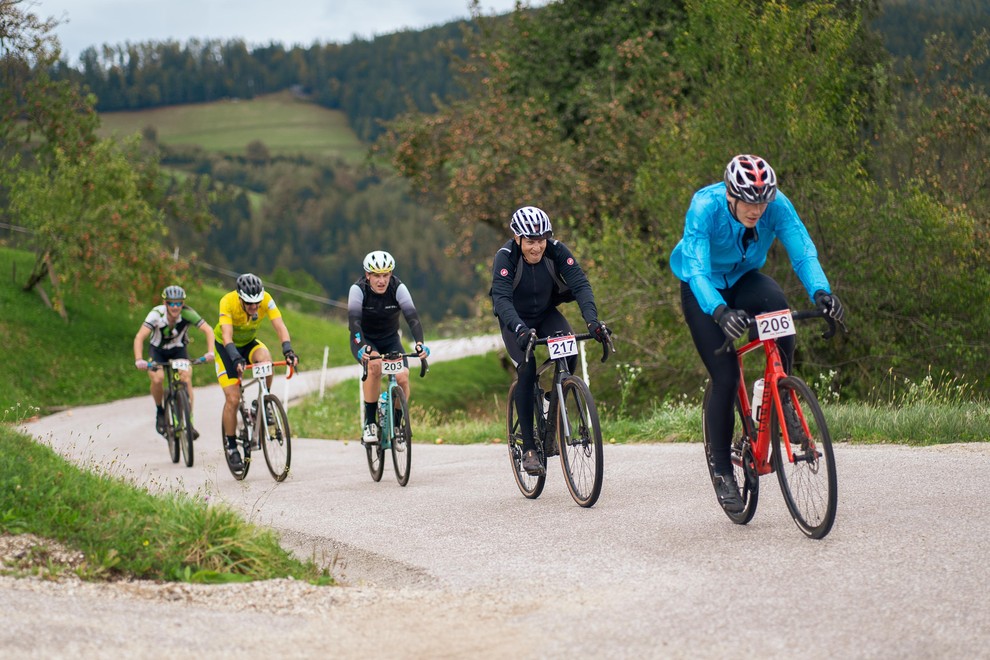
point(379, 281)
point(747, 214)
point(532, 248)
point(173, 308)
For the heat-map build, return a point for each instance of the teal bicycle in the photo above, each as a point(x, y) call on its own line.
point(394, 427)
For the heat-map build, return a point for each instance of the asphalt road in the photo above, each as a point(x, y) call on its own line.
point(655, 569)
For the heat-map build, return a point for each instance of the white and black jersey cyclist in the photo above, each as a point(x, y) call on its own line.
point(374, 305)
point(531, 275)
point(166, 328)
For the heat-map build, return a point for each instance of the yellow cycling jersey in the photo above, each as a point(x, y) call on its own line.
point(232, 313)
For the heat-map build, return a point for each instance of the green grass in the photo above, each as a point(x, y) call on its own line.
point(123, 530)
point(285, 124)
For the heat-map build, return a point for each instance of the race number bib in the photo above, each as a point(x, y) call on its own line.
point(392, 366)
point(561, 347)
point(775, 324)
point(180, 365)
point(262, 369)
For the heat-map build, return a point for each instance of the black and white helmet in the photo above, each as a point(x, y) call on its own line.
point(379, 261)
point(751, 179)
point(530, 222)
point(173, 292)
point(250, 289)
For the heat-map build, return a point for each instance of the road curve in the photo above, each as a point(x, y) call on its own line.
point(459, 563)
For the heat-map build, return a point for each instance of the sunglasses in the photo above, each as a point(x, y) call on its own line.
point(174, 304)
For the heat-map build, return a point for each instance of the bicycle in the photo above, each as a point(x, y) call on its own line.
point(263, 425)
point(799, 450)
point(395, 429)
point(178, 411)
point(566, 423)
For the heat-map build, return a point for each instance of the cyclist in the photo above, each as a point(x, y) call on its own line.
point(168, 326)
point(373, 306)
point(532, 274)
point(241, 313)
point(729, 228)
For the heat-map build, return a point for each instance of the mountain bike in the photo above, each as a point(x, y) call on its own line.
point(788, 434)
point(566, 423)
point(262, 424)
point(394, 426)
point(178, 411)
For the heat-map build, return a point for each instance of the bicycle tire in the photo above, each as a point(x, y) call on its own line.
point(170, 433)
point(581, 456)
point(742, 460)
point(376, 461)
point(402, 437)
point(529, 485)
point(243, 445)
point(183, 426)
point(809, 482)
point(278, 449)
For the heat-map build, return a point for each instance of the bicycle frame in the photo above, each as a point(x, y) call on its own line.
point(261, 379)
point(772, 373)
point(388, 428)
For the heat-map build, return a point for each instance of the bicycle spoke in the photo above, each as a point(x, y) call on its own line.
point(581, 442)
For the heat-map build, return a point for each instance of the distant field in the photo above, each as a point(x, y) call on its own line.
point(284, 123)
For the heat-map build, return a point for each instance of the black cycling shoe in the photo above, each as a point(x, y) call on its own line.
point(195, 434)
point(160, 421)
point(234, 458)
point(531, 463)
point(728, 493)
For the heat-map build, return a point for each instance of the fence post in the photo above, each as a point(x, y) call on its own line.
point(323, 372)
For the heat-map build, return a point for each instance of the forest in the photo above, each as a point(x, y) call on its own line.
point(610, 114)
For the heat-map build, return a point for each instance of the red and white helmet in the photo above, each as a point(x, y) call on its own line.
point(751, 179)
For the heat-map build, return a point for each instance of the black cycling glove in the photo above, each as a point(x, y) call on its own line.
point(599, 331)
point(734, 322)
point(290, 355)
point(829, 303)
point(523, 335)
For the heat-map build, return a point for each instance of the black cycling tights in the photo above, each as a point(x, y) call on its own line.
point(551, 322)
point(756, 293)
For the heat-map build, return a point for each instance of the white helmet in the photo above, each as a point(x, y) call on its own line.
point(530, 222)
point(379, 261)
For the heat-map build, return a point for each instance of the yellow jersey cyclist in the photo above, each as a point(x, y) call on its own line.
point(374, 303)
point(241, 313)
point(168, 325)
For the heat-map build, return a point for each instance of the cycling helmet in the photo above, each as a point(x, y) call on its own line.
point(173, 292)
point(751, 179)
point(249, 288)
point(530, 222)
point(379, 261)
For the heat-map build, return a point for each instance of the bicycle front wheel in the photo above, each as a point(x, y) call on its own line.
point(402, 439)
point(805, 469)
point(580, 437)
point(529, 485)
point(743, 468)
point(171, 433)
point(276, 439)
point(183, 425)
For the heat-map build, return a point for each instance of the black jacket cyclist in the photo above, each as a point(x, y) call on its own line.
point(373, 307)
point(531, 275)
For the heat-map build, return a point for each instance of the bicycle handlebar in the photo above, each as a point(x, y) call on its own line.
point(797, 315)
point(279, 363)
point(424, 365)
point(535, 341)
point(155, 366)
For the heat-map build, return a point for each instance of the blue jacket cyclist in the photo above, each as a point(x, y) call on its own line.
point(728, 231)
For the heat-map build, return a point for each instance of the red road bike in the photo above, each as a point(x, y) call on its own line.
point(789, 435)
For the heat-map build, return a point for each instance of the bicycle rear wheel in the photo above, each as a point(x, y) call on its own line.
point(529, 485)
point(170, 429)
point(742, 459)
point(402, 439)
point(807, 475)
point(276, 439)
point(244, 431)
point(183, 425)
point(580, 442)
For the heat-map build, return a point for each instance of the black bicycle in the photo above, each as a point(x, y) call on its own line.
point(394, 425)
point(566, 423)
point(178, 411)
point(262, 423)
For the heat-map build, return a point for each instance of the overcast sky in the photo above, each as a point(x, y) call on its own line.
point(95, 22)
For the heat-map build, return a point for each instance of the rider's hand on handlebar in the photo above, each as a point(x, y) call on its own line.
point(422, 350)
point(523, 336)
point(141, 364)
point(291, 358)
point(208, 357)
point(734, 322)
point(599, 331)
point(829, 303)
